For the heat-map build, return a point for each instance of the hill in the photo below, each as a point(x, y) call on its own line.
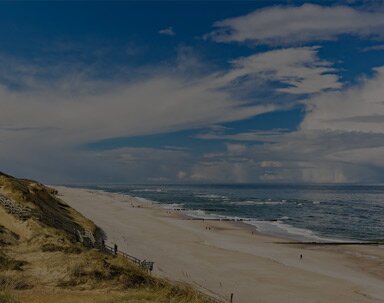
point(49, 253)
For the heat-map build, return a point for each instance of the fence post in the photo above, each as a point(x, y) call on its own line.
point(115, 249)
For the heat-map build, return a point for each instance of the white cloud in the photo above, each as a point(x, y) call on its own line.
point(45, 120)
point(367, 156)
point(167, 31)
point(340, 140)
point(359, 109)
point(314, 157)
point(286, 25)
point(75, 109)
point(153, 105)
point(298, 70)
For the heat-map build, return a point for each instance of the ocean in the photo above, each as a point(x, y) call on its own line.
point(307, 213)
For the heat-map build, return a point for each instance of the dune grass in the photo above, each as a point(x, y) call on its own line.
point(9, 283)
point(7, 263)
point(44, 264)
point(159, 295)
point(7, 296)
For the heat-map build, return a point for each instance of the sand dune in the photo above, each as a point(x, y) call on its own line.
point(228, 258)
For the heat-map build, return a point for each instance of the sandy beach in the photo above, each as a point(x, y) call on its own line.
point(224, 257)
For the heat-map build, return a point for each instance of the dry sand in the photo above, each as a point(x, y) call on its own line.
point(228, 258)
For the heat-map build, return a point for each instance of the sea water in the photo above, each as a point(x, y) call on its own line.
point(312, 213)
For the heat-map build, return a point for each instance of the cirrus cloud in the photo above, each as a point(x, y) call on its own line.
point(286, 25)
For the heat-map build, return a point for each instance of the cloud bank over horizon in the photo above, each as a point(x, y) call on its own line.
point(306, 107)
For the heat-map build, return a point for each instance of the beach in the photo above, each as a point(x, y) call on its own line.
point(223, 258)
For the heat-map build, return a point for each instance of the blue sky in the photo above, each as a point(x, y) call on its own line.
point(165, 92)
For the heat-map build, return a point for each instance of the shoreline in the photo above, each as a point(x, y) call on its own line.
point(217, 259)
point(274, 228)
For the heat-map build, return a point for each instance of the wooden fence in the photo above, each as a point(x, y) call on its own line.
point(213, 300)
point(82, 235)
point(23, 213)
point(143, 264)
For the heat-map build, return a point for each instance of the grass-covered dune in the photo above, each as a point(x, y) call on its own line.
point(41, 260)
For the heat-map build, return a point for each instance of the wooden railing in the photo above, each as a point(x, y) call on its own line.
point(143, 264)
point(213, 300)
point(131, 258)
point(83, 236)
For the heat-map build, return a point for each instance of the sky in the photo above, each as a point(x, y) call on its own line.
point(193, 92)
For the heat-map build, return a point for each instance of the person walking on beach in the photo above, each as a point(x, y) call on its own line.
point(301, 256)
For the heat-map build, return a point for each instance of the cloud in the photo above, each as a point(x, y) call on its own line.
point(287, 25)
point(167, 31)
point(270, 164)
point(224, 171)
point(316, 156)
point(297, 70)
point(52, 112)
point(107, 110)
point(235, 149)
point(261, 136)
point(340, 140)
point(147, 164)
point(45, 122)
point(181, 175)
point(73, 107)
point(189, 61)
point(373, 48)
point(366, 156)
point(358, 108)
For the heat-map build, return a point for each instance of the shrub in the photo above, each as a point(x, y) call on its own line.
point(7, 263)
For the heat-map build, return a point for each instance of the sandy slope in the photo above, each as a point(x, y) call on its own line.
point(228, 258)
